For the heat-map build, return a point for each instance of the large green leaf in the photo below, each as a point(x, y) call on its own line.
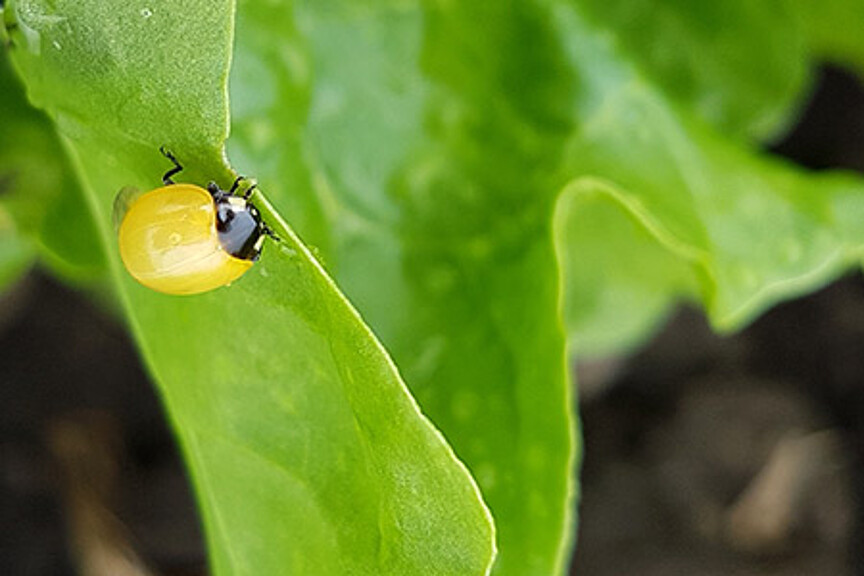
point(307, 453)
point(426, 145)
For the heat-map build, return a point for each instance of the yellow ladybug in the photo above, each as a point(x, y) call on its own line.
point(183, 239)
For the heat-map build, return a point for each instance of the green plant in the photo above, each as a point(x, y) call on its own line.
point(442, 159)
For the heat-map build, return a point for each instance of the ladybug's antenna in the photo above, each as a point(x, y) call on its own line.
point(247, 193)
point(235, 185)
point(166, 179)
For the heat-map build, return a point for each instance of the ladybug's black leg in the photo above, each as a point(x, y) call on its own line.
point(166, 179)
point(269, 232)
point(248, 193)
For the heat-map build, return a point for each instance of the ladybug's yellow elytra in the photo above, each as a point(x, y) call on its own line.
point(183, 239)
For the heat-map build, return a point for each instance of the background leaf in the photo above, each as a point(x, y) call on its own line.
point(15, 253)
point(41, 208)
point(740, 231)
point(740, 65)
point(307, 453)
point(834, 30)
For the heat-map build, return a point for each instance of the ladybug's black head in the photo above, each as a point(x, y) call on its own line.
point(241, 231)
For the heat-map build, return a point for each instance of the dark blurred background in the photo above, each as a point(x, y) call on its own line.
point(703, 455)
